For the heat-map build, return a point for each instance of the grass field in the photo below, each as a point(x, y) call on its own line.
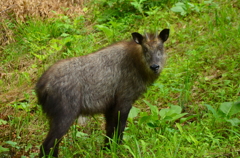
point(191, 111)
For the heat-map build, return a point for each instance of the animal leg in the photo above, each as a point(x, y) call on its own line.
point(116, 122)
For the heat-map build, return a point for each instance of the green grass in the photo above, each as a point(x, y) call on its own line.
point(201, 75)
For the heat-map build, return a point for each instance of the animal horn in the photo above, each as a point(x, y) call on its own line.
point(146, 35)
point(156, 34)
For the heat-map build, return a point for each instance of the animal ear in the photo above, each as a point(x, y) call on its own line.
point(164, 34)
point(137, 37)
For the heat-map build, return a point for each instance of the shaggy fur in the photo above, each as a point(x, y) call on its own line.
point(107, 81)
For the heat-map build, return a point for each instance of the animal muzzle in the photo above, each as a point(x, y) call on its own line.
point(154, 67)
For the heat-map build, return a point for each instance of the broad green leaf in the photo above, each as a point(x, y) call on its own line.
point(163, 113)
point(153, 125)
point(176, 109)
point(3, 122)
point(182, 120)
point(226, 107)
point(154, 109)
point(108, 32)
point(229, 108)
point(235, 108)
point(177, 9)
point(168, 118)
point(28, 147)
point(134, 112)
point(13, 144)
point(178, 116)
point(144, 119)
point(210, 108)
point(64, 34)
point(81, 134)
point(234, 121)
point(171, 113)
point(2, 149)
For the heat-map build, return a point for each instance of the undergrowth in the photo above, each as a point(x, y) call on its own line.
point(191, 111)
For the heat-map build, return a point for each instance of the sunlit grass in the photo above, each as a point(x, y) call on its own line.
point(202, 71)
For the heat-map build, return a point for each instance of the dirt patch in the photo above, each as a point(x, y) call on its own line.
point(18, 11)
point(21, 9)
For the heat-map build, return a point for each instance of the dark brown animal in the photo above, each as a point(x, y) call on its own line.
point(107, 81)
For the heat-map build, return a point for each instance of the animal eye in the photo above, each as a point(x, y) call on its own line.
point(160, 46)
point(158, 53)
point(147, 55)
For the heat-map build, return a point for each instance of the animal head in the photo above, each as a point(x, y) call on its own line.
point(152, 48)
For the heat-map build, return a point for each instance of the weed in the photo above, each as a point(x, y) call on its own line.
point(226, 112)
point(191, 111)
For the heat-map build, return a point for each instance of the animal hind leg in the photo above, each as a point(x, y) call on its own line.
point(58, 128)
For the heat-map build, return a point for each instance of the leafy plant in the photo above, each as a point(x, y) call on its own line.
point(185, 8)
point(161, 118)
point(202, 65)
point(22, 106)
point(2, 122)
point(107, 31)
point(226, 112)
point(138, 4)
point(181, 8)
point(2, 149)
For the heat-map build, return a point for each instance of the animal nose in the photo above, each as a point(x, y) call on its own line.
point(154, 67)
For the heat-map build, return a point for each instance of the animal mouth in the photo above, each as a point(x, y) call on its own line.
point(155, 68)
point(156, 71)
